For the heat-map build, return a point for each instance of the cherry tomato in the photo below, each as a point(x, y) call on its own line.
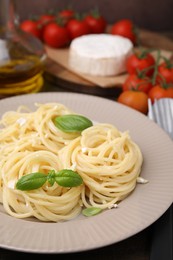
point(134, 81)
point(159, 91)
point(140, 61)
point(66, 13)
point(96, 22)
point(137, 100)
point(46, 18)
point(126, 28)
point(165, 72)
point(32, 27)
point(77, 28)
point(43, 20)
point(55, 35)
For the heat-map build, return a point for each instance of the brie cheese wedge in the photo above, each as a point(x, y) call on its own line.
point(99, 54)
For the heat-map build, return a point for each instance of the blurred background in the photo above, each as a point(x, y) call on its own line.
point(155, 15)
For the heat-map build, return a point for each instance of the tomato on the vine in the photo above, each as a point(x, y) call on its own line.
point(96, 22)
point(43, 20)
point(46, 18)
point(140, 60)
point(160, 91)
point(125, 28)
point(66, 13)
point(77, 27)
point(165, 72)
point(32, 27)
point(55, 35)
point(137, 82)
point(137, 100)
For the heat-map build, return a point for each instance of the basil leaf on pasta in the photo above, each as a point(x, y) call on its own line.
point(68, 178)
point(65, 178)
point(88, 212)
point(72, 123)
point(51, 177)
point(31, 181)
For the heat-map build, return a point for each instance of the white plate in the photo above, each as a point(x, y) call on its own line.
point(143, 207)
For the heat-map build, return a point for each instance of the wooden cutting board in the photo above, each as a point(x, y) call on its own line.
point(59, 72)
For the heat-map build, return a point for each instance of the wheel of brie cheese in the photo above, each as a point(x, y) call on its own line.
point(99, 54)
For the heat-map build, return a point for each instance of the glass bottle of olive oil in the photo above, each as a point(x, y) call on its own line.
point(22, 56)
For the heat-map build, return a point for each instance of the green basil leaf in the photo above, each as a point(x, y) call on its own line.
point(72, 123)
point(68, 178)
point(31, 181)
point(88, 212)
point(51, 177)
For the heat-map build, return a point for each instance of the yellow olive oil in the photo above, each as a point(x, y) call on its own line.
point(22, 56)
point(18, 70)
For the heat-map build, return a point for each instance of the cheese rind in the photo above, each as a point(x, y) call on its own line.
point(99, 54)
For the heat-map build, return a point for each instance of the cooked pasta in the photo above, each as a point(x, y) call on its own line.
point(47, 203)
point(108, 161)
point(27, 130)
